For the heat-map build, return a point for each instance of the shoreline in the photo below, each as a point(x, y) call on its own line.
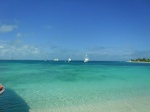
point(137, 104)
point(137, 62)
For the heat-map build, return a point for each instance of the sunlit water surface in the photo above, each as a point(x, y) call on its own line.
point(48, 86)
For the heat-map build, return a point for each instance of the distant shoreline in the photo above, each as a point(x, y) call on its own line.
point(137, 62)
point(140, 60)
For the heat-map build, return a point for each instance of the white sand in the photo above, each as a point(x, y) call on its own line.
point(137, 62)
point(138, 104)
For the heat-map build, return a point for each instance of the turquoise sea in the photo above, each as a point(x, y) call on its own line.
point(98, 86)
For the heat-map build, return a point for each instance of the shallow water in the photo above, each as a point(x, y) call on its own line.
point(49, 86)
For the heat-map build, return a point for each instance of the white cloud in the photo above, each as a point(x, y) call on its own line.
point(18, 35)
point(105, 53)
point(7, 28)
point(1, 46)
point(20, 51)
point(27, 50)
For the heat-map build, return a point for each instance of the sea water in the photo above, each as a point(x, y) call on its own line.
point(98, 86)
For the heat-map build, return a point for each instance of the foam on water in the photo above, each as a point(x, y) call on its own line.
point(59, 86)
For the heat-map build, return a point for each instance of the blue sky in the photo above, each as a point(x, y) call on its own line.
point(102, 29)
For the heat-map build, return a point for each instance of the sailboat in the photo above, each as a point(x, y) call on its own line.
point(12, 56)
point(69, 59)
point(86, 59)
point(56, 59)
point(45, 59)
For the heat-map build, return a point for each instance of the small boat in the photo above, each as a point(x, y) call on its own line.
point(69, 59)
point(2, 89)
point(86, 59)
point(56, 59)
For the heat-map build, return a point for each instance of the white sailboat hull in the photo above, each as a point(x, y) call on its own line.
point(69, 60)
point(86, 60)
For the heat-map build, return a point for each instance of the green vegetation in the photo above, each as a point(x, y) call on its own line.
point(140, 60)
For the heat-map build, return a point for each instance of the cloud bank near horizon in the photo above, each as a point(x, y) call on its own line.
point(26, 51)
point(7, 28)
point(18, 50)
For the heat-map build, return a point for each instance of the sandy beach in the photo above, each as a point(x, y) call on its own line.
point(137, 104)
point(137, 62)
